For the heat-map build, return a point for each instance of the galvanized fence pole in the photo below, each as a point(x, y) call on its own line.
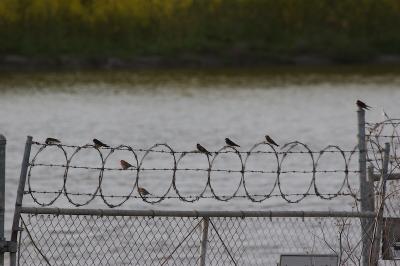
point(366, 188)
point(20, 195)
point(204, 242)
point(2, 193)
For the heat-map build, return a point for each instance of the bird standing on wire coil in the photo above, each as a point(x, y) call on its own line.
point(143, 191)
point(125, 165)
point(52, 141)
point(231, 143)
point(202, 149)
point(271, 141)
point(99, 144)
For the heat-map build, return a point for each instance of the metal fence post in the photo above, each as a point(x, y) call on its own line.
point(20, 195)
point(365, 185)
point(2, 192)
point(204, 240)
point(366, 188)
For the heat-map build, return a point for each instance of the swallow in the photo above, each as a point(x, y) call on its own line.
point(143, 191)
point(362, 105)
point(52, 141)
point(125, 165)
point(230, 143)
point(98, 144)
point(202, 149)
point(271, 141)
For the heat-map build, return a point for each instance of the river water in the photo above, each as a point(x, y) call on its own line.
point(182, 108)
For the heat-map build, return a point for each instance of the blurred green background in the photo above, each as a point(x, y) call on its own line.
point(262, 30)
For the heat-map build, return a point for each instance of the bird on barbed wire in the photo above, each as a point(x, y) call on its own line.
point(52, 141)
point(98, 144)
point(125, 165)
point(202, 149)
point(271, 141)
point(143, 191)
point(363, 105)
point(230, 143)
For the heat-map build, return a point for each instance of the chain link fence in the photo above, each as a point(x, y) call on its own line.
point(82, 239)
point(47, 235)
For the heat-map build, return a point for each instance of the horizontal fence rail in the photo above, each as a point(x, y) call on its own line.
point(194, 213)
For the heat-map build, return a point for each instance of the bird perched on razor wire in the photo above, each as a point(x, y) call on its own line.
point(143, 191)
point(202, 149)
point(230, 143)
point(99, 144)
point(52, 141)
point(271, 141)
point(125, 165)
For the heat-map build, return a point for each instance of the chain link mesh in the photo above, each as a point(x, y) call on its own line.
point(127, 240)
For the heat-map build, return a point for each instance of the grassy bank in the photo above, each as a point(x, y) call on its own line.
point(344, 30)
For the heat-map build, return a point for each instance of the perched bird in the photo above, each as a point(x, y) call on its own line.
point(230, 143)
point(271, 141)
point(143, 191)
point(362, 105)
point(125, 165)
point(98, 144)
point(52, 141)
point(202, 149)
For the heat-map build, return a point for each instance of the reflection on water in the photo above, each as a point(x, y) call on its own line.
point(183, 108)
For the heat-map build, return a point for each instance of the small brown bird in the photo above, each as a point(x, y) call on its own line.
point(143, 191)
point(362, 105)
point(202, 149)
point(125, 165)
point(271, 141)
point(98, 144)
point(230, 143)
point(52, 141)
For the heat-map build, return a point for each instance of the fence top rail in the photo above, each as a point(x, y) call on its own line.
point(193, 213)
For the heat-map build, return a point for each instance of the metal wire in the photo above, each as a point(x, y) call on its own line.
point(355, 196)
point(379, 133)
point(277, 172)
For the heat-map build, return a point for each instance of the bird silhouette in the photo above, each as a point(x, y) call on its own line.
point(143, 191)
point(230, 143)
point(125, 165)
point(271, 141)
point(362, 105)
point(98, 144)
point(52, 141)
point(202, 149)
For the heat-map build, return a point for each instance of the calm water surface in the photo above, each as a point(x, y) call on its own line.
point(182, 108)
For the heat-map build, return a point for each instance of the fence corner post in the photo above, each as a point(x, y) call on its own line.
point(364, 187)
point(204, 242)
point(362, 148)
point(20, 195)
point(3, 142)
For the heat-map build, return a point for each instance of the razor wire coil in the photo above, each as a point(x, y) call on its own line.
point(276, 173)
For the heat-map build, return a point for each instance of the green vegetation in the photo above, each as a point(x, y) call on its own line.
point(342, 30)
